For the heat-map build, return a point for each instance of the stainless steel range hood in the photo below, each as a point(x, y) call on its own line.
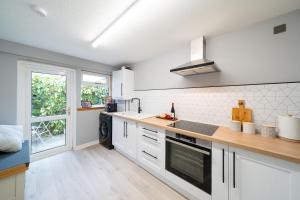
point(198, 64)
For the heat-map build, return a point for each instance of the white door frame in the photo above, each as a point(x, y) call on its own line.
point(24, 77)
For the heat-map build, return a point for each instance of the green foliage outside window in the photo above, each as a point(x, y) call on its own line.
point(94, 93)
point(48, 99)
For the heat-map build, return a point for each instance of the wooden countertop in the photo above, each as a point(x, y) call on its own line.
point(13, 171)
point(14, 162)
point(275, 147)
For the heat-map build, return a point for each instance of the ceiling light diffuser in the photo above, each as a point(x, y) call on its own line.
point(96, 41)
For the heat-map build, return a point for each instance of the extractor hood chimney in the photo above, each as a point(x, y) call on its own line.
point(198, 64)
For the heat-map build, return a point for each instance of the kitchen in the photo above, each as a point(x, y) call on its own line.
point(208, 108)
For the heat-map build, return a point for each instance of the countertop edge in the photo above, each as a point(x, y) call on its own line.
point(217, 138)
point(13, 171)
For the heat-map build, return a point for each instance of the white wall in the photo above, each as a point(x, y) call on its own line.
point(11, 52)
point(213, 104)
point(87, 126)
point(250, 55)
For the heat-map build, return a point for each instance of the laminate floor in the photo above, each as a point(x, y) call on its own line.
point(94, 173)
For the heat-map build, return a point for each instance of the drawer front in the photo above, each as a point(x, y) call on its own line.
point(150, 156)
point(152, 136)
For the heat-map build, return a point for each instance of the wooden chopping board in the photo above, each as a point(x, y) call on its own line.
point(242, 113)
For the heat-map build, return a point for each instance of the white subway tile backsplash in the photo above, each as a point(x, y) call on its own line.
point(214, 104)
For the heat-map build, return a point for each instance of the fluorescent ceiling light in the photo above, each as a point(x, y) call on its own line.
point(97, 40)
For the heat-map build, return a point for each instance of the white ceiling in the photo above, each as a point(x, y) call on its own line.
point(150, 28)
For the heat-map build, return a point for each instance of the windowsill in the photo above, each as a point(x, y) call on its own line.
point(91, 108)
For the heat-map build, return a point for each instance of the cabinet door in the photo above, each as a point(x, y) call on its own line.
point(131, 139)
point(127, 84)
point(255, 176)
point(118, 133)
point(220, 156)
point(117, 85)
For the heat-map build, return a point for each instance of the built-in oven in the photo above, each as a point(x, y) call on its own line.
point(190, 159)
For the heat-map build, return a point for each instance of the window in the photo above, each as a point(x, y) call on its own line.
point(94, 88)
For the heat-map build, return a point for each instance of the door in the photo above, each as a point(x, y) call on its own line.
point(118, 130)
point(122, 84)
point(127, 83)
point(117, 85)
point(220, 156)
point(48, 108)
point(189, 162)
point(105, 128)
point(254, 176)
point(131, 139)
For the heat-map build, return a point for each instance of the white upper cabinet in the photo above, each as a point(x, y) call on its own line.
point(122, 84)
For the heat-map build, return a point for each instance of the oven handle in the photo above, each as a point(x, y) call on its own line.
point(189, 147)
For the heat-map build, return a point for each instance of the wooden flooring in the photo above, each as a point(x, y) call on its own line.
point(94, 173)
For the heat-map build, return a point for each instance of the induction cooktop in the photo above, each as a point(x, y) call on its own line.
point(206, 129)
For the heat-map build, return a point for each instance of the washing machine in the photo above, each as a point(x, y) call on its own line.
point(105, 130)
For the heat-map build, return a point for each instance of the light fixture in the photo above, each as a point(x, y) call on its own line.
point(39, 10)
point(97, 40)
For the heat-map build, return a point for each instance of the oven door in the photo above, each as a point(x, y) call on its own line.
point(190, 162)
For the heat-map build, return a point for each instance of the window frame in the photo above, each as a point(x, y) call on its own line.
point(90, 83)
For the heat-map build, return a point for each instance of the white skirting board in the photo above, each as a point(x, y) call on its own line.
point(85, 145)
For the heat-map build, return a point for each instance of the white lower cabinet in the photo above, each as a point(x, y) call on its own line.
point(12, 187)
point(220, 176)
point(236, 174)
point(252, 176)
point(118, 133)
point(124, 136)
point(151, 149)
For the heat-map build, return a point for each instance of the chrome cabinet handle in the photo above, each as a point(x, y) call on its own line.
point(121, 89)
point(188, 147)
point(150, 130)
point(233, 170)
point(124, 129)
point(126, 123)
point(223, 171)
point(145, 152)
point(150, 138)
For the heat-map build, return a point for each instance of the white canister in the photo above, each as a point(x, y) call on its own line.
point(236, 126)
point(289, 127)
point(248, 127)
point(268, 130)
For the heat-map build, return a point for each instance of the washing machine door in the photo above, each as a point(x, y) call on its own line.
point(104, 131)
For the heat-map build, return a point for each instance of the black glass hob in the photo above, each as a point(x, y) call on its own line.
point(206, 129)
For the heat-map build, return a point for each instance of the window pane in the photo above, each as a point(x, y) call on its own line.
point(94, 79)
point(94, 88)
point(47, 135)
point(94, 93)
point(48, 94)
